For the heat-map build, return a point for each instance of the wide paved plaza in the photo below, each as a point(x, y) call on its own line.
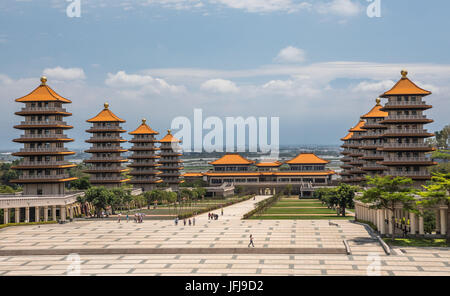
point(157, 247)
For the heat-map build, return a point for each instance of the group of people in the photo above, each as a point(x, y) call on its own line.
point(138, 217)
point(191, 222)
point(212, 216)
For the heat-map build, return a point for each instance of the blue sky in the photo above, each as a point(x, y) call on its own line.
point(318, 65)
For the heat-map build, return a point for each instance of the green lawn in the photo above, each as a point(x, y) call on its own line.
point(274, 217)
point(299, 211)
point(417, 242)
point(309, 209)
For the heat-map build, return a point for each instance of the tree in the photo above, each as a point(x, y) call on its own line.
point(443, 137)
point(386, 192)
point(99, 197)
point(289, 189)
point(438, 192)
point(344, 196)
point(81, 183)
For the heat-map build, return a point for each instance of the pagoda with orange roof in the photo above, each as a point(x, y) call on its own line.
point(354, 144)
point(144, 165)
point(43, 170)
point(170, 163)
point(345, 174)
point(106, 161)
point(404, 139)
point(372, 140)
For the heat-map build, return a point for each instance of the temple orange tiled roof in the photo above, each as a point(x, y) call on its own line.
point(193, 175)
point(143, 129)
point(169, 138)
point(358, 127)
point(347, 137)
point(307, 158)
point(269, 164)
point(105, 116)
point(257, 174)
point(43, 93)
point(405, 87)
point(375, 112)
point(231, 158)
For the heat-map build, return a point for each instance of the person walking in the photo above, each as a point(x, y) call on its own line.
point(184, 222)
point(127, 218)
point(251, 241)
point(190, 222)
point(118, 218)
point(193, 221)
point(222, 211)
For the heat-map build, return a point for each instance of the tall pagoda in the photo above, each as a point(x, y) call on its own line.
point(170, 163)
point(345, 173)
point(405, 147)
point(372, 140)
point(43, 168)
point(144, 165)
point(106, 161)
point(357, 174)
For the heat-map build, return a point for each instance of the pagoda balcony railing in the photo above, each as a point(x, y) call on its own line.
point(144, 154)
point(118, 178)
point(411, 173)
point(52, 149)
point(101, 168)
point(395, 117)
point(403, 103)
point(94, 147)
point(32, 163)
point(406, 131)
point(406, 145)
point(97, 137)
point(43, 136)
point(145, 171)
point(44, 109)
point(107, 158)
point(393, 159)
point(42, 122)
point(372, 155)
point(165, 167)
point(43, 176)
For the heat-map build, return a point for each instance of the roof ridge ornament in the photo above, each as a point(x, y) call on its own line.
point(404, 73)
point(43, 80)
point(169, 132)
point(144, 120)
point(106, 105)
point(378, 100)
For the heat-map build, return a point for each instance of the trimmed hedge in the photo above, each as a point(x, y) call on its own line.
point(25, 224)
point(263, 205)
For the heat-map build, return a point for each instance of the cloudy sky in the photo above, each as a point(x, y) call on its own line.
point(316, 64)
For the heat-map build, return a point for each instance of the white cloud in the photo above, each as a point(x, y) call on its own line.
point(265, 5)
point(378, 86)
point(219, 86)
point(344, 8)
point(291, 54)
point(60, 73)
point(142, 84)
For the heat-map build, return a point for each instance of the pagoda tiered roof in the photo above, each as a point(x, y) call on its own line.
point(269, 164)
point(347, 137)
point(143, 129)
point(105, 116)
point(405, 87)
point(358, 127)
point(43, 93)
point(375, 112)
point(169, 138)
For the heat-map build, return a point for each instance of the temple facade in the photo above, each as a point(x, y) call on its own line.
point(303, 174)
point(43, 170)
point(170, 163)
point(106, 162)
point(356, 171)
point(144, 164)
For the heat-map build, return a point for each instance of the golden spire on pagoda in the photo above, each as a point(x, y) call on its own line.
point(144, 120)
point(169, 132)
point(404, 73)
point(378, 100)
point(106, 105)
point(43, 80)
